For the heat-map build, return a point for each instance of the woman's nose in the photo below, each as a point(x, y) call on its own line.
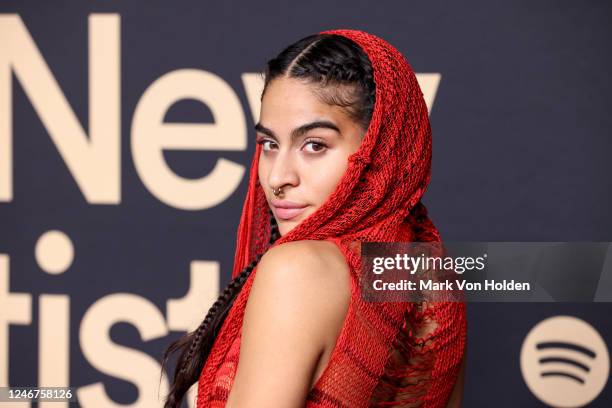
point(283, 171)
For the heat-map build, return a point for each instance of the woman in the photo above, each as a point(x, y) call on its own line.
point(343, 156)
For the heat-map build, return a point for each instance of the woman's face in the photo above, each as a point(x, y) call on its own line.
point(305, 148)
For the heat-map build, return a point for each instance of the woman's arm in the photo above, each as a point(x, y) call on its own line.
point(296, 307)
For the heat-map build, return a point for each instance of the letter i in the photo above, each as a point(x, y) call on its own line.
point(54, 254)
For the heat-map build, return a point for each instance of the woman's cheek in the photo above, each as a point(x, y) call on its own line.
point(326, 181)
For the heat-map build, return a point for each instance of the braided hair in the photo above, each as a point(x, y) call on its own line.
point(341, 74)
point(197, 344)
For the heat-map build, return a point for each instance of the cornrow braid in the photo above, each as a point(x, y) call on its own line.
point(196, 346)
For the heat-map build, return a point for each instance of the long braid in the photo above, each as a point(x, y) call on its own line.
point(196, 345)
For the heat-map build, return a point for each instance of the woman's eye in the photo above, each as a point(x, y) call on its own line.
point(264, 144)
point(316, 146)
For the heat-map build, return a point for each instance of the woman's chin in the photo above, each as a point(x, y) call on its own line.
point(286, 225)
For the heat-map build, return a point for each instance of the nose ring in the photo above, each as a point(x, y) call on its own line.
point(277, 191)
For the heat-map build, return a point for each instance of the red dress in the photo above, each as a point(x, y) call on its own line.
point(419, 371)
point(387, 353)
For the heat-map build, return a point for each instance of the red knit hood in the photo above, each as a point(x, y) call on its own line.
point(385, 178)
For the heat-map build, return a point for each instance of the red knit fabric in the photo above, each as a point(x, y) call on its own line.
point(387, 353)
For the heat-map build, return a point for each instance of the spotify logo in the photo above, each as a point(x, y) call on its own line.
point(565, 362)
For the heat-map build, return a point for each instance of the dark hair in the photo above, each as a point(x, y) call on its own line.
point(342, 75)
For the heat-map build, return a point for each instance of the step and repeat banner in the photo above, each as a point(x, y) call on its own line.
point(126, 134)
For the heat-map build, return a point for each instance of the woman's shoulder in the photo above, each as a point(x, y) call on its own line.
point(315, 263)
point(310, 276)
point(307, 253)
point(299, 299)
point(294, 312)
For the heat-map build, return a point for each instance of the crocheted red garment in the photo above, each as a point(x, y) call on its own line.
point(387, 353)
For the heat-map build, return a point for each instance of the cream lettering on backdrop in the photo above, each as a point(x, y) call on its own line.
point(93, 159)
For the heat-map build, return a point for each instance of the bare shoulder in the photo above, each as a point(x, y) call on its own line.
point(313, 271)
point(294, 312)
point(313, 257)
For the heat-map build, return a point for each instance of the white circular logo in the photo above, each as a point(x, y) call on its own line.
point(565, 362)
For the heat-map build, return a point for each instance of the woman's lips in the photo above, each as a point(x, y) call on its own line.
point(286, 210)
point(288, 213)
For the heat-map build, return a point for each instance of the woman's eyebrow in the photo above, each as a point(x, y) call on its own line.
point(297, 132)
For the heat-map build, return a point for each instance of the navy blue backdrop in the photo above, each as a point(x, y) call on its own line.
point(101, 239)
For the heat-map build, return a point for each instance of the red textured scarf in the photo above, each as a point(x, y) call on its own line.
point(377, 200)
